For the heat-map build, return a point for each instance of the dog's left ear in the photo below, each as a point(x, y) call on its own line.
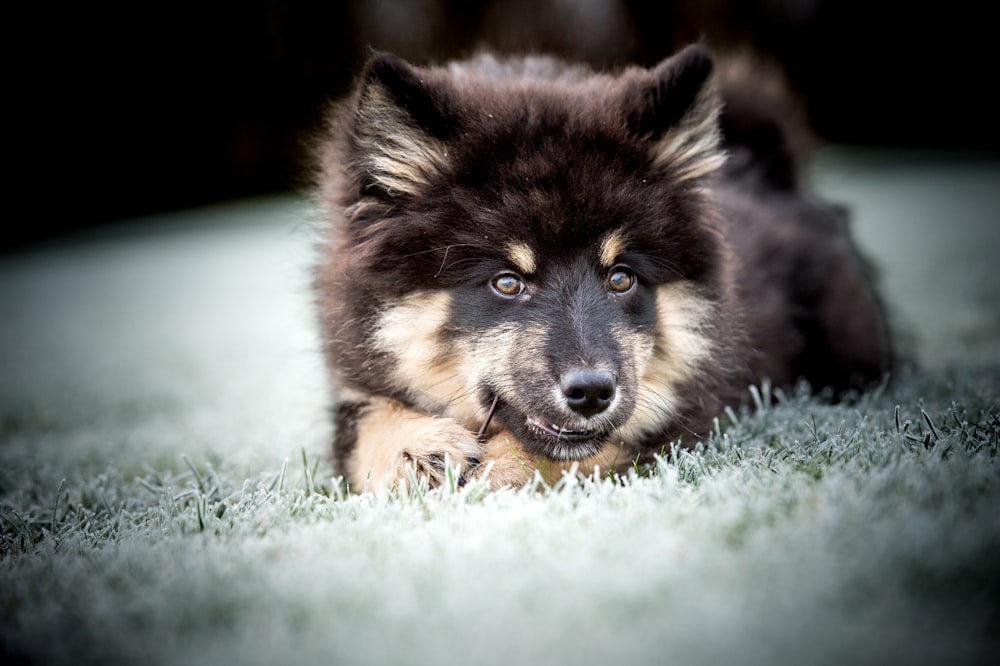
point(400, 125)
point(675, 106)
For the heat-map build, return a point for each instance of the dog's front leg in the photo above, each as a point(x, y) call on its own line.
point(379, 439)
point(505, 462)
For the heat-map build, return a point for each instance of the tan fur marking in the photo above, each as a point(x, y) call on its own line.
point(523, 257)
point(506, 461)
point(612, 245)
point(392, 438)
point(682, 345)
point(439, 378)
point(682, 319)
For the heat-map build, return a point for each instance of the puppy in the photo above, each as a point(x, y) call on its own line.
point(527, 264)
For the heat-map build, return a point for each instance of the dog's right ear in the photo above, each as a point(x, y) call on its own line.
point(400, 125)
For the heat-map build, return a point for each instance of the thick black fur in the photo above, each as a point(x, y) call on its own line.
point(428, 175)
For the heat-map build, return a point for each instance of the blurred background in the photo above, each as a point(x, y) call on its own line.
point(156, 106)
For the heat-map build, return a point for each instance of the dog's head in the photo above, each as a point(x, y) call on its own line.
point(532, 233)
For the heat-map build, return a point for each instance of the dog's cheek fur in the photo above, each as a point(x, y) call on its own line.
point(507, 361)
point(683, 349)
point(433, 371)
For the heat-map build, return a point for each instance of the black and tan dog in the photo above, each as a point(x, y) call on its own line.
point(528, 264)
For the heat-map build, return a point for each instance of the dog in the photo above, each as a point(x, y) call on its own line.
point(528, 267)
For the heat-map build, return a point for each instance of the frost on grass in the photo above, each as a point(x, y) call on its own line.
point(178, 508)
point(858, 532)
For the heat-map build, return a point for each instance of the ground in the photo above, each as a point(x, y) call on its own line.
point(165, 496)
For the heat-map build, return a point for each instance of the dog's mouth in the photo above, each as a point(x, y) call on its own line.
point(557, 442)
point(545, 436)
point(559, 433)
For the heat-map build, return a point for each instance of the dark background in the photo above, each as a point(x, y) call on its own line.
point(117, 112)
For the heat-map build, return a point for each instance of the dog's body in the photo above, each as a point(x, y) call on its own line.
point(570, 259)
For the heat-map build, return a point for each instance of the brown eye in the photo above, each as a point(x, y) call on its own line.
point(621, 280)
point(508, 285)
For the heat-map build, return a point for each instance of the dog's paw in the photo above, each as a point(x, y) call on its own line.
point(405, 448)
point(440, 444)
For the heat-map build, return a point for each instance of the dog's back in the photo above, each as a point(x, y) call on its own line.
point(811, 310)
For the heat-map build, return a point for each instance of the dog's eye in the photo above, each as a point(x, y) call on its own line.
point(508, 285)
point(620, 280)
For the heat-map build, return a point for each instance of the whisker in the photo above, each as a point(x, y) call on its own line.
point(444, 260)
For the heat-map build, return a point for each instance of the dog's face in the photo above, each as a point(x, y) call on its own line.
point(545, 244)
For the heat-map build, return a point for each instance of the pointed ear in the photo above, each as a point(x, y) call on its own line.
point(675, 106)
point(400, 126)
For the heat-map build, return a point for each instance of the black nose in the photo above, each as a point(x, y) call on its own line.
point(588, 391)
